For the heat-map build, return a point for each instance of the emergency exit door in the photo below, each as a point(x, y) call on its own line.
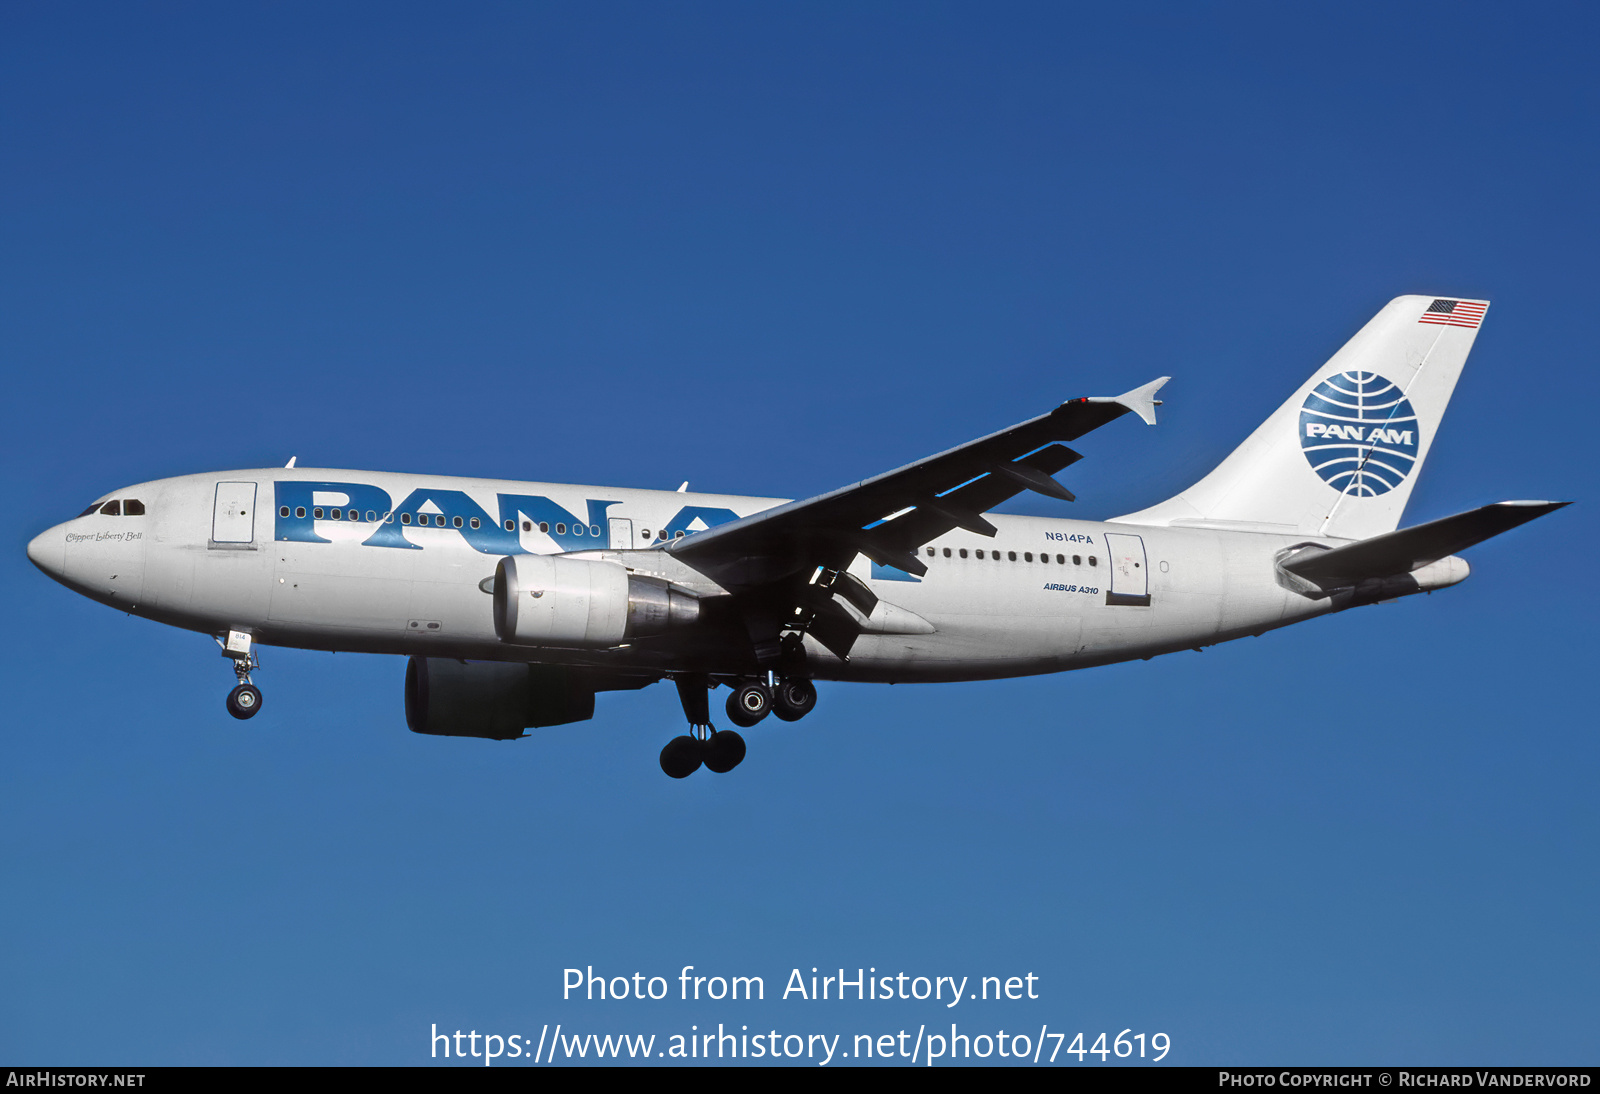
point(1130, 574)
point(233, 516)
point(621, 534)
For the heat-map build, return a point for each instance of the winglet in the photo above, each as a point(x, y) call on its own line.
point(1141, 400)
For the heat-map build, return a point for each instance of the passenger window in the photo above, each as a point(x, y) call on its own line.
point(511, 526)
point(334, 514)
point(947, 552)
point(661, 534)
point(645, 532)
point(963, 552)
point(405, 518)
point(577, 529)
point(1092, 561)
point(1027, 556)
point(111, 509)
point(475, 522)
point(300, 512)
point(283, 510)
point(931, 552)
point(457, 522)
point(1061, 560)
point(133, 507)
point(1012, 555)
point(1077, 560)
point(372, 517)
point(87, 511)
point(561, 529)
point(544, 526)
point(979, 552)
point(678, 534)
point(594, 529)
point(317, 513)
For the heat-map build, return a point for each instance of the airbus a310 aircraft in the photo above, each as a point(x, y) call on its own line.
point(517, 602)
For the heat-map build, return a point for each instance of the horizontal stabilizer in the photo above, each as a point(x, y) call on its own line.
point(1410, 549)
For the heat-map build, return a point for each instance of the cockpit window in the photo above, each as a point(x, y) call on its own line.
point(89, 510)
point(132, 507)
point(111, 509)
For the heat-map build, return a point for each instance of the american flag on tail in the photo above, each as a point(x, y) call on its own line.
point(1454, 313)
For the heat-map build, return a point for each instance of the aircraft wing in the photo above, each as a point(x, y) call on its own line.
point(888, 518)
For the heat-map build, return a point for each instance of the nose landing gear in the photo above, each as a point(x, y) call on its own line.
point(244, 701)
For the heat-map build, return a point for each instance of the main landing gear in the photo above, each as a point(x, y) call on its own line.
point(751, 701)
point(719, 750)
point(723, 750)
point(245, 700)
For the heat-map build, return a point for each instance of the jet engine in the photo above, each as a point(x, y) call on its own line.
point(493, 699)
point(551, 600)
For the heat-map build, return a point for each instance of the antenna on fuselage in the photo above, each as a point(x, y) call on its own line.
point(291, 461)
point(684, 488)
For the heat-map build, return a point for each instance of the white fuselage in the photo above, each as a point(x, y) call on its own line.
point(260, 552)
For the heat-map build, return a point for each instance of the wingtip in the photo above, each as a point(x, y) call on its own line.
point(1142, 400)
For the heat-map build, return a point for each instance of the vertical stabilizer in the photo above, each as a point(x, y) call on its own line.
point(1341, 456)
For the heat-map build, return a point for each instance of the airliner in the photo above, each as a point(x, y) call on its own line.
point(517, 603)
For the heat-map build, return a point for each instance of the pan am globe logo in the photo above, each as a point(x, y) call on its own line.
point(1359, 434)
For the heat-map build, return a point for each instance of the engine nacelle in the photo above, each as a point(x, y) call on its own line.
point(493, 699)
point(552, 600)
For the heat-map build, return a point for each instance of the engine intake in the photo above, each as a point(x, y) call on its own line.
point(551, 600)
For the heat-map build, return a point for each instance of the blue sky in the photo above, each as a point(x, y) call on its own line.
point(771, 250)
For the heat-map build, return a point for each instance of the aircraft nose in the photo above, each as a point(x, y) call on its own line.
point(47, 551)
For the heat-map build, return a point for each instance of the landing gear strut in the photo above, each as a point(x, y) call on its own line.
point(245, 699)
point(719, 750)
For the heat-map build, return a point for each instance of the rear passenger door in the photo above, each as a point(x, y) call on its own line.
point(1130, 575)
